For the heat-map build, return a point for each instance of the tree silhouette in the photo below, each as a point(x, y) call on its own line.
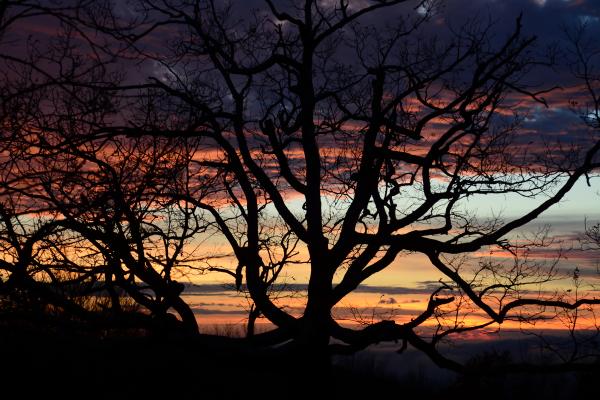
point(307, 135)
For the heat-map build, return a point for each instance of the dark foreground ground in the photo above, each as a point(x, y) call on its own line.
point(34, 365)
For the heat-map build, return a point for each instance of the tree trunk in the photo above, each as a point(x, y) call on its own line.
point(311, 353)
point(252, 316)
point(188, 318)
point(314, 335)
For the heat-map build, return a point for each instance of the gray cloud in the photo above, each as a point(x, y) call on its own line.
point(217, 289)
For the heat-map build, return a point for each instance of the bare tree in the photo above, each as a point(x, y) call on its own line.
point(82, 217)
point(319, 140)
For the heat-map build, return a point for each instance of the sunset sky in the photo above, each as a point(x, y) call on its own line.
point(403, 289)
